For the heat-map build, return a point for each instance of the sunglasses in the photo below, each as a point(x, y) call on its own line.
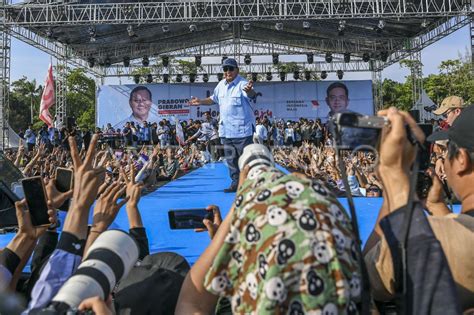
point(228, 68)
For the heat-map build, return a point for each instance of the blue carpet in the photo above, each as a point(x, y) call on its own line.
point(199, 189)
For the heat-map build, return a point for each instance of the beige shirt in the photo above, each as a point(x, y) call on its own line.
point(456, 235)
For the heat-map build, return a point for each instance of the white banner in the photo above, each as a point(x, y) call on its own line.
point(287, 100)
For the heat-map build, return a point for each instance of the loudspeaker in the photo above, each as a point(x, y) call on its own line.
point(8, 220)
point(415, 113)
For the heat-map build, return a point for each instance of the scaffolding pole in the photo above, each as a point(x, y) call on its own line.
point(377, 90)
point(61, 89)
point(5, 42)
point(417, 83)
point(472, 45)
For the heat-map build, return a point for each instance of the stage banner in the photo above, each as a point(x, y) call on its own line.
point(117, 104)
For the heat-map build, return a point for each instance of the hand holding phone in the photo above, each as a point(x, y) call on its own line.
point(63, 184)
point(189, 218)
point(35, 196)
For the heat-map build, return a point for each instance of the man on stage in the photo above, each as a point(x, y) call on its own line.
point(236, 120)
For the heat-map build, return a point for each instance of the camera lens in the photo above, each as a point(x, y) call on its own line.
point(108, 260)
point(256, 155)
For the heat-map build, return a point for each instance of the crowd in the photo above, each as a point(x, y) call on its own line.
point(287, 246)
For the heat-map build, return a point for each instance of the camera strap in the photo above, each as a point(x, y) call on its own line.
point(365, 294)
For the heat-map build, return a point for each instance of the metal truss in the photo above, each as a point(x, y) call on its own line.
point(5, 49)
point(228, 47)
point(417, 81)
point(226, 10)
point(440, 30)
point(377, 90)
point(472, 45)
point(54, 49)
point(259, 68)
point(61, 90)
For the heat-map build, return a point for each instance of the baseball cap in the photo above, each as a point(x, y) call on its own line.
point(461, 132)
point(230, 62)
point(450, 102)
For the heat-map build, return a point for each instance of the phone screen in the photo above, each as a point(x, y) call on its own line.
point(188, 218)
point(64, 184)
point(36, 200)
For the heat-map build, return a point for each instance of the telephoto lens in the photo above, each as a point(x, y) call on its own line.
point(107, 261)
point(256, 156)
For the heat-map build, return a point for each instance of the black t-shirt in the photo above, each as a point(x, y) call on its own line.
point(127, 132)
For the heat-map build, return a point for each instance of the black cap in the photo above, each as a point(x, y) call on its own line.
point(461, 132)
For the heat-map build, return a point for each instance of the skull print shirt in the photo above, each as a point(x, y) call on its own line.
point(290, 249)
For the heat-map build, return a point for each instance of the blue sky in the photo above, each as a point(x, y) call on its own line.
point(33, 63)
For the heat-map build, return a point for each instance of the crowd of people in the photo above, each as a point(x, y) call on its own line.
point(287, 245)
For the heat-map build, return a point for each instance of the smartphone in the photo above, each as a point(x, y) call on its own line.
point(188, 218)
point(11, 175)
point(35, 196)
point(358, 131)
point(64, 180)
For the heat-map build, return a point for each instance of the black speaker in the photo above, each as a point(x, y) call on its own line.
point(8, 220)
point(415, 113)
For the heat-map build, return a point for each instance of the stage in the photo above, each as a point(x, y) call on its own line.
point(199, 189)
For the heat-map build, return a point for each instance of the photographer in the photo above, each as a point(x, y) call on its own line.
point(452, 231)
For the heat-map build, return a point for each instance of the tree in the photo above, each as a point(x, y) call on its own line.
point(80, 98)
point(24, 96)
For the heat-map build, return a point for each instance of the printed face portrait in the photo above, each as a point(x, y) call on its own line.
point(337, 99)
point(140, 103)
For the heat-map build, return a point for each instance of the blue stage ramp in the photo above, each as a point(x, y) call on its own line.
point(199, 189)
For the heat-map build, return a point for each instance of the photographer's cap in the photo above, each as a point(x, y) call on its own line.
point(230, 62)
point(448, 103)
point(461, 132)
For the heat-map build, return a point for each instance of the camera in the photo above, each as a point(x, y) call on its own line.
point(356, 131)
point(256, 156)
point(107, 261)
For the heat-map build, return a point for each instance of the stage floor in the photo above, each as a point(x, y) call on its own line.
point(199, 189)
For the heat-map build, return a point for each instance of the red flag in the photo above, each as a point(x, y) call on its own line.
point(47, 99)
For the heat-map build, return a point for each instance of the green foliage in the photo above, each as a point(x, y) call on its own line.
point(80, 100)
point(289, 67)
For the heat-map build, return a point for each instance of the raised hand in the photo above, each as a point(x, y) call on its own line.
point(194, 101)
point(55, 197)
point(211, 226)
point(107, 207)
point(248, 87)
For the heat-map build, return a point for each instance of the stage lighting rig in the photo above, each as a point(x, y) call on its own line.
point(296, 75)
point(340, 74)
point(307, 75)
point(341, 28)
point(136, 78)
point(220, 76)
point(254, 77)
point(193, 28)
point(384, 56)
point(347, 57)
point(366, 57)
point(198, 60)
point(165, 61)
point(328, 57)
point(149, 78)
point(275, 59)
point(306, 25)
point(126, 61)
point(279, 26)
point(380, 26)
point(223, 58)
point(225, 26)
point(246, 27)
point(247, 59)
point(179, 78)
point(107, 62)
point(130, 31)
point(91, 62)
point(324, 75)
point(166, 77)
point(165, 28)
point(205, 77)
point(145, 61)
point(49, 32)
point(282, 76)
point(192, 77)
point(269, 76)
point(310, 57)
point(92, 33)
